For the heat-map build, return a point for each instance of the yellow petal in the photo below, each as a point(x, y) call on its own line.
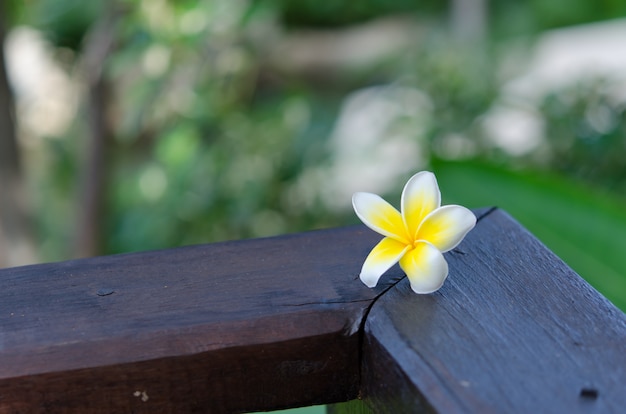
point(425, 267)
point(446, 226)
point(380, 216)
point(384, 255)
point(420, 196)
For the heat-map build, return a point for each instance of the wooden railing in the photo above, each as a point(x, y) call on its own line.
point(282, 322)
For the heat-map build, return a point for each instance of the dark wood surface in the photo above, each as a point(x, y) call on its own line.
point(246, 325)
point(513, 330)
point(271, 323)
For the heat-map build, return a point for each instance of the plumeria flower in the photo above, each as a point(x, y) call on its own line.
point(417, 237)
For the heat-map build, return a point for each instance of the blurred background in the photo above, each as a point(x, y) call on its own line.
point(136, 125)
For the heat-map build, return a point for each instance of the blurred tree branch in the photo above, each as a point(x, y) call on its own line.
point(17, 245)
point(323, 56)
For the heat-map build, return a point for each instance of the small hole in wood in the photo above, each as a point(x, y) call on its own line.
point(588, 392)
point(105, 292)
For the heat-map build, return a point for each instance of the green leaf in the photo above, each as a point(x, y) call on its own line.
point(584, 227)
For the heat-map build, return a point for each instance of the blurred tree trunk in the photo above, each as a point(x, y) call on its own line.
point(93, 173)
point(469, 20)
point(17, 246)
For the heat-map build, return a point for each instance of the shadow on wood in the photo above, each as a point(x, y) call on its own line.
point(283, 322)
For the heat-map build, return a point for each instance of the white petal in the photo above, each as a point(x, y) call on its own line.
point(420, 196)
point(380, 216)
point(446, 226)
point(384, 255)
point(425, 267)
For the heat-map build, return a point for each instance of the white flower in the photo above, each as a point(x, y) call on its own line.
point(417, 238)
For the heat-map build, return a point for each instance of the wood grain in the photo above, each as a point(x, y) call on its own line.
point(237, 326)
point(280, 322)
point(513, 330)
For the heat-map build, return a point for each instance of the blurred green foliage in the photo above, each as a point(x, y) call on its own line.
point(329, 13)
point(65, 22)
point(586, 129)
point(213, 139)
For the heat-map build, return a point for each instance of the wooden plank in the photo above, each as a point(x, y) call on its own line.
point(271, 323)
point(512, 330)
point(237, 326)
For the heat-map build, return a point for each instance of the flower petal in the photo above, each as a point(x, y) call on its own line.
point(384, 255)
point(380, 216)
point(446, 226)
point(425, 267)
point(420, 197)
